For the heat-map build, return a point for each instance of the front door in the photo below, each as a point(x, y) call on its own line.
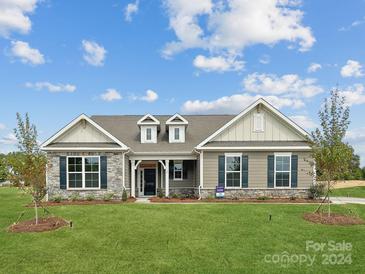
point(149, 181)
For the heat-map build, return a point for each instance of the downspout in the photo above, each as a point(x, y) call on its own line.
point(123, 164)
point(200, 183)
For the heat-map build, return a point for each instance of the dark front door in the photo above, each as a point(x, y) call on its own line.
point(149, 181)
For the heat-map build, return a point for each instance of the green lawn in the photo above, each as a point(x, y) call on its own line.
point(357, 191)
point(200, 238)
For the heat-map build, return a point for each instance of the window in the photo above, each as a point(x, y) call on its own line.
point(258, 122)
point(178, 170)
point(282, 170)
point(83, 172)
point(233, 170)
point(149, 134)
point(177, 133)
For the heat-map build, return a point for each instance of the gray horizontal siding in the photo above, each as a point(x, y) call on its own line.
point(257, 169)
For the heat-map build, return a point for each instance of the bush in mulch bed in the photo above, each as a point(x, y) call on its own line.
point(44, 224)
point(248, 200)
point(84, 202)
point(334, 219)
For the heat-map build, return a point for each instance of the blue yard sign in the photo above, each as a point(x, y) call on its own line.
point(219, 191)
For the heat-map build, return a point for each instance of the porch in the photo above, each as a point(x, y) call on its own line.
point(149, 176)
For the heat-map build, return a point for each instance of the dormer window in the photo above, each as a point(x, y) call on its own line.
point(176, 134)
point(176, 126)
point(149, 127)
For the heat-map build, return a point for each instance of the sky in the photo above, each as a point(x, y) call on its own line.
point(59, 59)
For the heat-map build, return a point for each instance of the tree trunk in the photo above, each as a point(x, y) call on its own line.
point(328, 197)
point(36, 212)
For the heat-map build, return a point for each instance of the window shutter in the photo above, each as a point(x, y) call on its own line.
point(171, 169)
point(245, 171)
point(294, 171)
point(103, 172)
point(270, 171)
point(63, 170)
point(221, 170)
point(186, 166)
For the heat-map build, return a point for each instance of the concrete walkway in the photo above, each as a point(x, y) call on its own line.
point(142, 200)
point(347, 200)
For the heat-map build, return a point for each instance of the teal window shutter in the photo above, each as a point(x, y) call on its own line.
point(221, 170)
point(245, 171)
point(63, 172)
point(270, 171)
point(294, 171)
point(103, 172)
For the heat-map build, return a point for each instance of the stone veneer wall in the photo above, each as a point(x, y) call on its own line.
point(255, 193)
point(115, 175)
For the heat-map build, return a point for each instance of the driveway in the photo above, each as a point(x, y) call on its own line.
point(347, 200)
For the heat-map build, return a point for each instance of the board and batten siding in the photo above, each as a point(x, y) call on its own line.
point(274, 129)
point(83, 132)
point(257, 169)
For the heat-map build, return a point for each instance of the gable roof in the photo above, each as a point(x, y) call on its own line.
point(176, 119)
point(292, 124)
point(148, 119)
point(49, 142)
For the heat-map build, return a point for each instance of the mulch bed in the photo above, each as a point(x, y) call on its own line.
point(334, 219)
point(274, 200)
point(84, 202)
point(44, 224)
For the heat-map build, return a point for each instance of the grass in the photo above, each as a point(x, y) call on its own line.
point(357, 192)
point(205, 238)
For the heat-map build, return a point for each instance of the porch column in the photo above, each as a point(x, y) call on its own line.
point(167, 183)
point(133, 178)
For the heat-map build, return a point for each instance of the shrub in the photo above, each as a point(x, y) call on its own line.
point(57, 199)
point(90, 197)
point(316, 190)
point(210, 197)
point(124, 196)
point(159, 193)
point(175, 196)
point(108, 196)
point(75, 196)
point(263, 198)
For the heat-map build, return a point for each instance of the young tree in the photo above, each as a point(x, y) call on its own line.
point(28, 168)
point(331, 155)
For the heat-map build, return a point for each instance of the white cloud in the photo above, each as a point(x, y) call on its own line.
point(352, 69)
point(231, 25)
point(26, 54)
point(236, 103)
point(51, 87)
point(304, 121)
point(9, 139)
point(264, 59)
point(2, 126)
point(150, 96)
point(94, 54)
point(288, 84)
point(218, 63)
point(354, 95)
point(130, 10)
point(14, 16)
point(313, 67)
point(111, 95)
point(354, 24)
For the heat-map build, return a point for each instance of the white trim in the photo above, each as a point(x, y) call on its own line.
point(141, 179)
point(182, 170)
point(282, 154)
point(141, 121)
point(161, 157)
point(201, 167)
point(293, 148)
point(248, 109)
point(225, 170)
point(82, 149)
point(74, 122)
point(183, 120)
point(258, 127)
point(83, 172)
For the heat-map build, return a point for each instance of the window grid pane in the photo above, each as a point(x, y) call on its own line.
point(233, 163)
point(177, 133)
point(91, 172)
